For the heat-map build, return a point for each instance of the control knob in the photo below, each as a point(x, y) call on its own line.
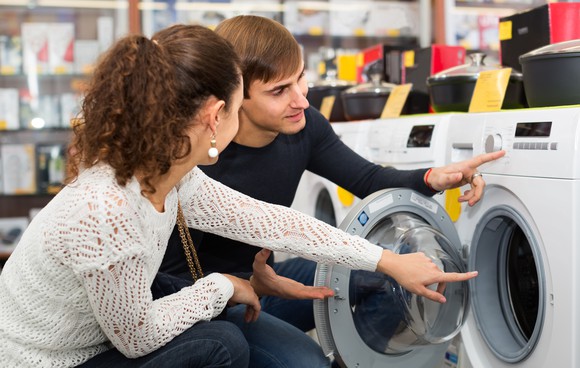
point(493, 143)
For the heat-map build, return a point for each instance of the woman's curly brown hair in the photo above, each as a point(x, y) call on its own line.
point(143, 98)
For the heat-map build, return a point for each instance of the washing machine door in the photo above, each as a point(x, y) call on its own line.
point(372, 321)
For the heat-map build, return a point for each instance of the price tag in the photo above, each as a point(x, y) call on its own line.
point(396, 101)
point(505, 30)
point(326, 106)
point(490, 90)
point(409, 58)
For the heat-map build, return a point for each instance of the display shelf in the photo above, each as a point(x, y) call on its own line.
point(47, 52)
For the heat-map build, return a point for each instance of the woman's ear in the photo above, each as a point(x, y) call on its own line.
point(214, 110)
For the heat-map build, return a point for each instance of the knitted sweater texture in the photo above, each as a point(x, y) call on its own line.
point(78, 283)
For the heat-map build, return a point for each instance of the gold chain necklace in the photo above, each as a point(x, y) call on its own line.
point(188, 247)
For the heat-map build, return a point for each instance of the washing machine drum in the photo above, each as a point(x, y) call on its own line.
point(372, 321)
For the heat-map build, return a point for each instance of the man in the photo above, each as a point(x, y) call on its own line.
point(279, 138)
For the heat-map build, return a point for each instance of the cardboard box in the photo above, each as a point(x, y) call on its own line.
point(61, 40)
point(9, 109)
point(18, 168)
point(35, 48)
point(10, 55)
point(537, 27)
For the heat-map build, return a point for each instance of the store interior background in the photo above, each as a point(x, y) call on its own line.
point(37, 101)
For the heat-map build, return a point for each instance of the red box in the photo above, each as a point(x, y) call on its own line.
point(537, 27)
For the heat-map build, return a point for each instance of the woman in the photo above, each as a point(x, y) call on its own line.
point(77, 288)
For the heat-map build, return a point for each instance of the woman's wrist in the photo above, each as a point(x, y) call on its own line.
point(388, 259)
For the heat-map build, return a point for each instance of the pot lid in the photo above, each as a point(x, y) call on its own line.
point(375, 86)
point(469, 70)
point(559, 48)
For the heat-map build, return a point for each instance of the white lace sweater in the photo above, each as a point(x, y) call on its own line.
point(79, 280)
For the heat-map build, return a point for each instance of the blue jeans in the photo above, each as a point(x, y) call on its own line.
point(277, 339)
point(205, 344)
point(277, 344)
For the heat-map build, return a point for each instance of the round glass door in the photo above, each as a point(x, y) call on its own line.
point(374, 322)
point(392, 320)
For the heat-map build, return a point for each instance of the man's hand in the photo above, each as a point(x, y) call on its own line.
point(266, 282)
point(461, 173)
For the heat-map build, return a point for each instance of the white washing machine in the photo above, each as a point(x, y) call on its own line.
point(410, 142)
point(371, 321)
point(523, 238)
point(321, 198)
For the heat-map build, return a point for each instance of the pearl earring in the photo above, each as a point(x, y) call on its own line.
point(213, 151)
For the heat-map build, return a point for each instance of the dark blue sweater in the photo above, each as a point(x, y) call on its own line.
point(272, 174)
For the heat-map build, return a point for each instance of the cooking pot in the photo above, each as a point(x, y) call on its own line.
point(552, 74)
point(318, 90)
point(367, 100)
point(451, 89)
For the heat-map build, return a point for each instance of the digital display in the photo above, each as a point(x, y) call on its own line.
point(420, 136)
point(535, 129)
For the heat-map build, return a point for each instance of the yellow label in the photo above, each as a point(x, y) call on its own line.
point(326, 106)
point(7, 70)
point(490, 90)
point(359, 32)
point(452, 205)
point(60, 69)
point(396, 101)
point(345, 197)
point(360, 59)
point(393, 32)
point(346, 65)
point(315, 31)
point(409, 58)
point(505, 30)
point(321, 68)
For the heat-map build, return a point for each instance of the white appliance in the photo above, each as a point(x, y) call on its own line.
point(371, 321)
point(408, 142)
point(523, 238)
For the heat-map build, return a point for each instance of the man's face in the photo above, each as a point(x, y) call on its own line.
point(277, 106)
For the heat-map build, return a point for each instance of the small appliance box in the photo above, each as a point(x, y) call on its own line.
point(18, 168)
point(422, 63)
point(388, 58)
point(537, 27)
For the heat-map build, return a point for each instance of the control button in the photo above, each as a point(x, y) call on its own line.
point(493, 143)
point(363, 218)
point(554, 145)
point(545, 145)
